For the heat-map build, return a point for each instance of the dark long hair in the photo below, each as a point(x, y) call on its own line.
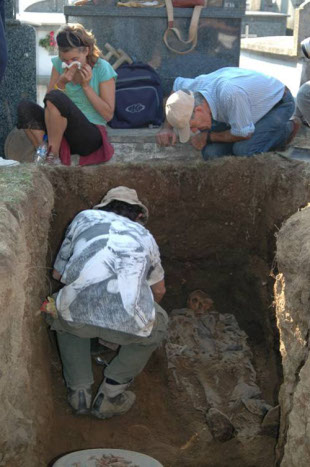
point(131, 211)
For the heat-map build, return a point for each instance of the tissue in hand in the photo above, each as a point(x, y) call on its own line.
point(64, 65)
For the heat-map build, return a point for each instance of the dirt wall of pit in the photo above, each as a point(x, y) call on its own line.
point(25, 384)
point(214, 223)
point(292, 293)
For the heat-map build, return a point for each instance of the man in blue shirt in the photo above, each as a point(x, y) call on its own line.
point(231, 111)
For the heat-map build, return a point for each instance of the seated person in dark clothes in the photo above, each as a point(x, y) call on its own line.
point(80, 98)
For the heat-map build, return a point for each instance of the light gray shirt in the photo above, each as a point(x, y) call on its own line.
point(236, 96)
point(108, 264)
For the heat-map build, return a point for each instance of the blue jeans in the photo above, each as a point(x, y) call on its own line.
point(271, 131)
point(3, 49)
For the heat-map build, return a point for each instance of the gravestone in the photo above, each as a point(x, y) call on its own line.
point(19, 80)
point(301, 28)
point(48, 6)
point(139, 32)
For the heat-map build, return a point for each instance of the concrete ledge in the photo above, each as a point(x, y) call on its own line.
point(132, 135)
point(41, 19)
point(146, 152)
point(265, 14)
point(236, 11)
point(135, 146)
point(139, 145)
point(273, 45)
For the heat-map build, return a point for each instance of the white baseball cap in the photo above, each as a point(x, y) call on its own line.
point(179, 109)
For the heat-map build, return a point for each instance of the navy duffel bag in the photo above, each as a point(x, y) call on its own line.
point(139, 97)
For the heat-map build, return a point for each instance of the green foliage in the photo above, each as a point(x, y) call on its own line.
point(48, 42)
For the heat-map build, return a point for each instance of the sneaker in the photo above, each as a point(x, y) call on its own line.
point(106, 407)
point(52, 159)
point(112, 399)
point(7, 162)
point(80, 400)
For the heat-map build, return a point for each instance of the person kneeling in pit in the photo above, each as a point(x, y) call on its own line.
point(110, 265)
point(237, 112)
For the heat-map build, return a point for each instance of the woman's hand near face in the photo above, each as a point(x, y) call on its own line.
point(60, 80)
point(68, 74)
point(86, 74)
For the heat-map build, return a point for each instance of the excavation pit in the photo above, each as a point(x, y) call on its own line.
point(215, 225)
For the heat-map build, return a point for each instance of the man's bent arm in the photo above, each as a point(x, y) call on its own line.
point(158, 290)
point(226, 137)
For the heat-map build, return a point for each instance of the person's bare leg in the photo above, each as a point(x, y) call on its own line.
point(56, 125)
point(35, 136)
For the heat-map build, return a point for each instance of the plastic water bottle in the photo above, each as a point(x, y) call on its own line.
point(41, 152)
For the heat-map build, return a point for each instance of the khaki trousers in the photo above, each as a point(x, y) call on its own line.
point(133, 355)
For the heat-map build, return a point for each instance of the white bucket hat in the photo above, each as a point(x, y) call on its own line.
point(179, 109)
point(127, 195)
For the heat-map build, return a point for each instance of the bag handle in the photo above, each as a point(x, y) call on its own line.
point(193, 28)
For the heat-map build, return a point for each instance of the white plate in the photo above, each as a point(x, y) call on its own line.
point(92, 457)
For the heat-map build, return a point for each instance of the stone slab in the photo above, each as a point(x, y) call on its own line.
point(265, 14)
point(47, 6)
point(139, 31)
point(10, 8)
point(139, 145)
point(264, 23)
point(275, 45)
point(143, 152)
point(41, 19)
point(20, 77)
point(132, 135)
